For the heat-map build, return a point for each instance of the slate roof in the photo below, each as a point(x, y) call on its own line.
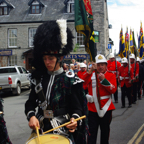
point(8, 3)
point(52, 10)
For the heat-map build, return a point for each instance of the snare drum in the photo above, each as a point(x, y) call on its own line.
point(50, 139)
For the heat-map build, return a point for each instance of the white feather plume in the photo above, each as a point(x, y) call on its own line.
point(63, 31)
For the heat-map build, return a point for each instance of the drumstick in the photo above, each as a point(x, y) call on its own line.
point(37, 131)
point(64, 124)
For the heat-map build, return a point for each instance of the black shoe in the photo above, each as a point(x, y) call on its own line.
point(134, 102)
point(123, 107)
point(139, 98)
point(129, 106)
point(116, 101)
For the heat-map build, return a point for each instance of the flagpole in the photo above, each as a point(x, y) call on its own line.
point(129, 58)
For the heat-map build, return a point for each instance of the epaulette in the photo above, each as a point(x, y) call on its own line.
point(70, 74)
point(78, 80)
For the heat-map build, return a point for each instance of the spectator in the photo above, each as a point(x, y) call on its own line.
point(64, 66)
point(67, 67)
point(74, 62)
point(78, 66)
point(85, 62)
point(72, 68)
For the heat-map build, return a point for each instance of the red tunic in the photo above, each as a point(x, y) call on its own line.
point(111, 66)
point(136, 72)
point(80, 74)
point(124, 76)
point(107, 87)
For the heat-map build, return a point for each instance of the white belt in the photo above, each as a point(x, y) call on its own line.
point(121, 78)
point(91, 99)
point(94, 99)
point(113, 71)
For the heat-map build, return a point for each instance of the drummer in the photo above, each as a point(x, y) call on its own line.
point(59, 95)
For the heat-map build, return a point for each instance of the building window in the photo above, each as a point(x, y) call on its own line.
point(35, 9)
point(3, 11)
point(70, 6)
point(12, 37)
point(13, 60)
point(32, 32)
point(80, 39)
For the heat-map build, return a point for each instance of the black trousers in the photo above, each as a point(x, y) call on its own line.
point(116, 93)
point(143, 87)
point(126, 91)
point(139, 88)
point(94, 122)
point(135, 88)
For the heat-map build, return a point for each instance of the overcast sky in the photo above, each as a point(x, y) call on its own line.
point(128, 13)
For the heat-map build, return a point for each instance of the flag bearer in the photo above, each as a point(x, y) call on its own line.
point(113, 66)
point(125, 80)
point(135, 69)
point(141, 77)
point(106, 85)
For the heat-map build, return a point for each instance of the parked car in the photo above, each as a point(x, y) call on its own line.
point(12, 78)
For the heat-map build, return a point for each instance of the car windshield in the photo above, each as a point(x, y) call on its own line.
point(7, 70)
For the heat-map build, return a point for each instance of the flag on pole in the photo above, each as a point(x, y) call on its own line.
point(138, 41)
point(131, 42)
point(134, 45)
point(126, 43)
point(122, 52)
point(141, 42)
point(84, 25)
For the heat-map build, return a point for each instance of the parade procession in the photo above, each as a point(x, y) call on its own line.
point(79, 90)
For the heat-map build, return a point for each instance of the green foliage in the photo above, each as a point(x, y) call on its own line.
point(76, 48)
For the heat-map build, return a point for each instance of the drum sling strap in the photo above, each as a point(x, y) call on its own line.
point(39, 91)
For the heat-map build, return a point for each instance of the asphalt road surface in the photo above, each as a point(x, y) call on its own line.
point(127, 125)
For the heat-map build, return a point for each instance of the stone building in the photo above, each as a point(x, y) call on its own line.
point(19, 20)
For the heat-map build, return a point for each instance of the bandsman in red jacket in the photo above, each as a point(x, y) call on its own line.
point(107, 85)
point(113, 66)
point(125, 80)
point(135, 69)
point(81, 73)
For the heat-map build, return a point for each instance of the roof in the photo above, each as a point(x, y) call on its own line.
point(52, 10)
point(8, 3)
point(31, 1)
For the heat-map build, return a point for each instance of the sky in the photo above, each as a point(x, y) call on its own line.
point(125, 13)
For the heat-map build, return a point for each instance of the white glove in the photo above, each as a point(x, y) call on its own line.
point(89, 98)
point(121, 78)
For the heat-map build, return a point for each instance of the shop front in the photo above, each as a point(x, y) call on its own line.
point(5, 57)
point(77, 57)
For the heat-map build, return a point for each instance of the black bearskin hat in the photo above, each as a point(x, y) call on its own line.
point(48, 41)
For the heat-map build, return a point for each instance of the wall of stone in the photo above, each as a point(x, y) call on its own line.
point(100, 16)
point(22, 40)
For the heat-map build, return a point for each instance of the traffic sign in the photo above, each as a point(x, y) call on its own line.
point(109, 46)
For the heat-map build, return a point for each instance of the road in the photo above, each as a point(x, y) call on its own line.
point(15, 118)
point(126, 127)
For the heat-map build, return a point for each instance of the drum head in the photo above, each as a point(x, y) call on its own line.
point(50, 139)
